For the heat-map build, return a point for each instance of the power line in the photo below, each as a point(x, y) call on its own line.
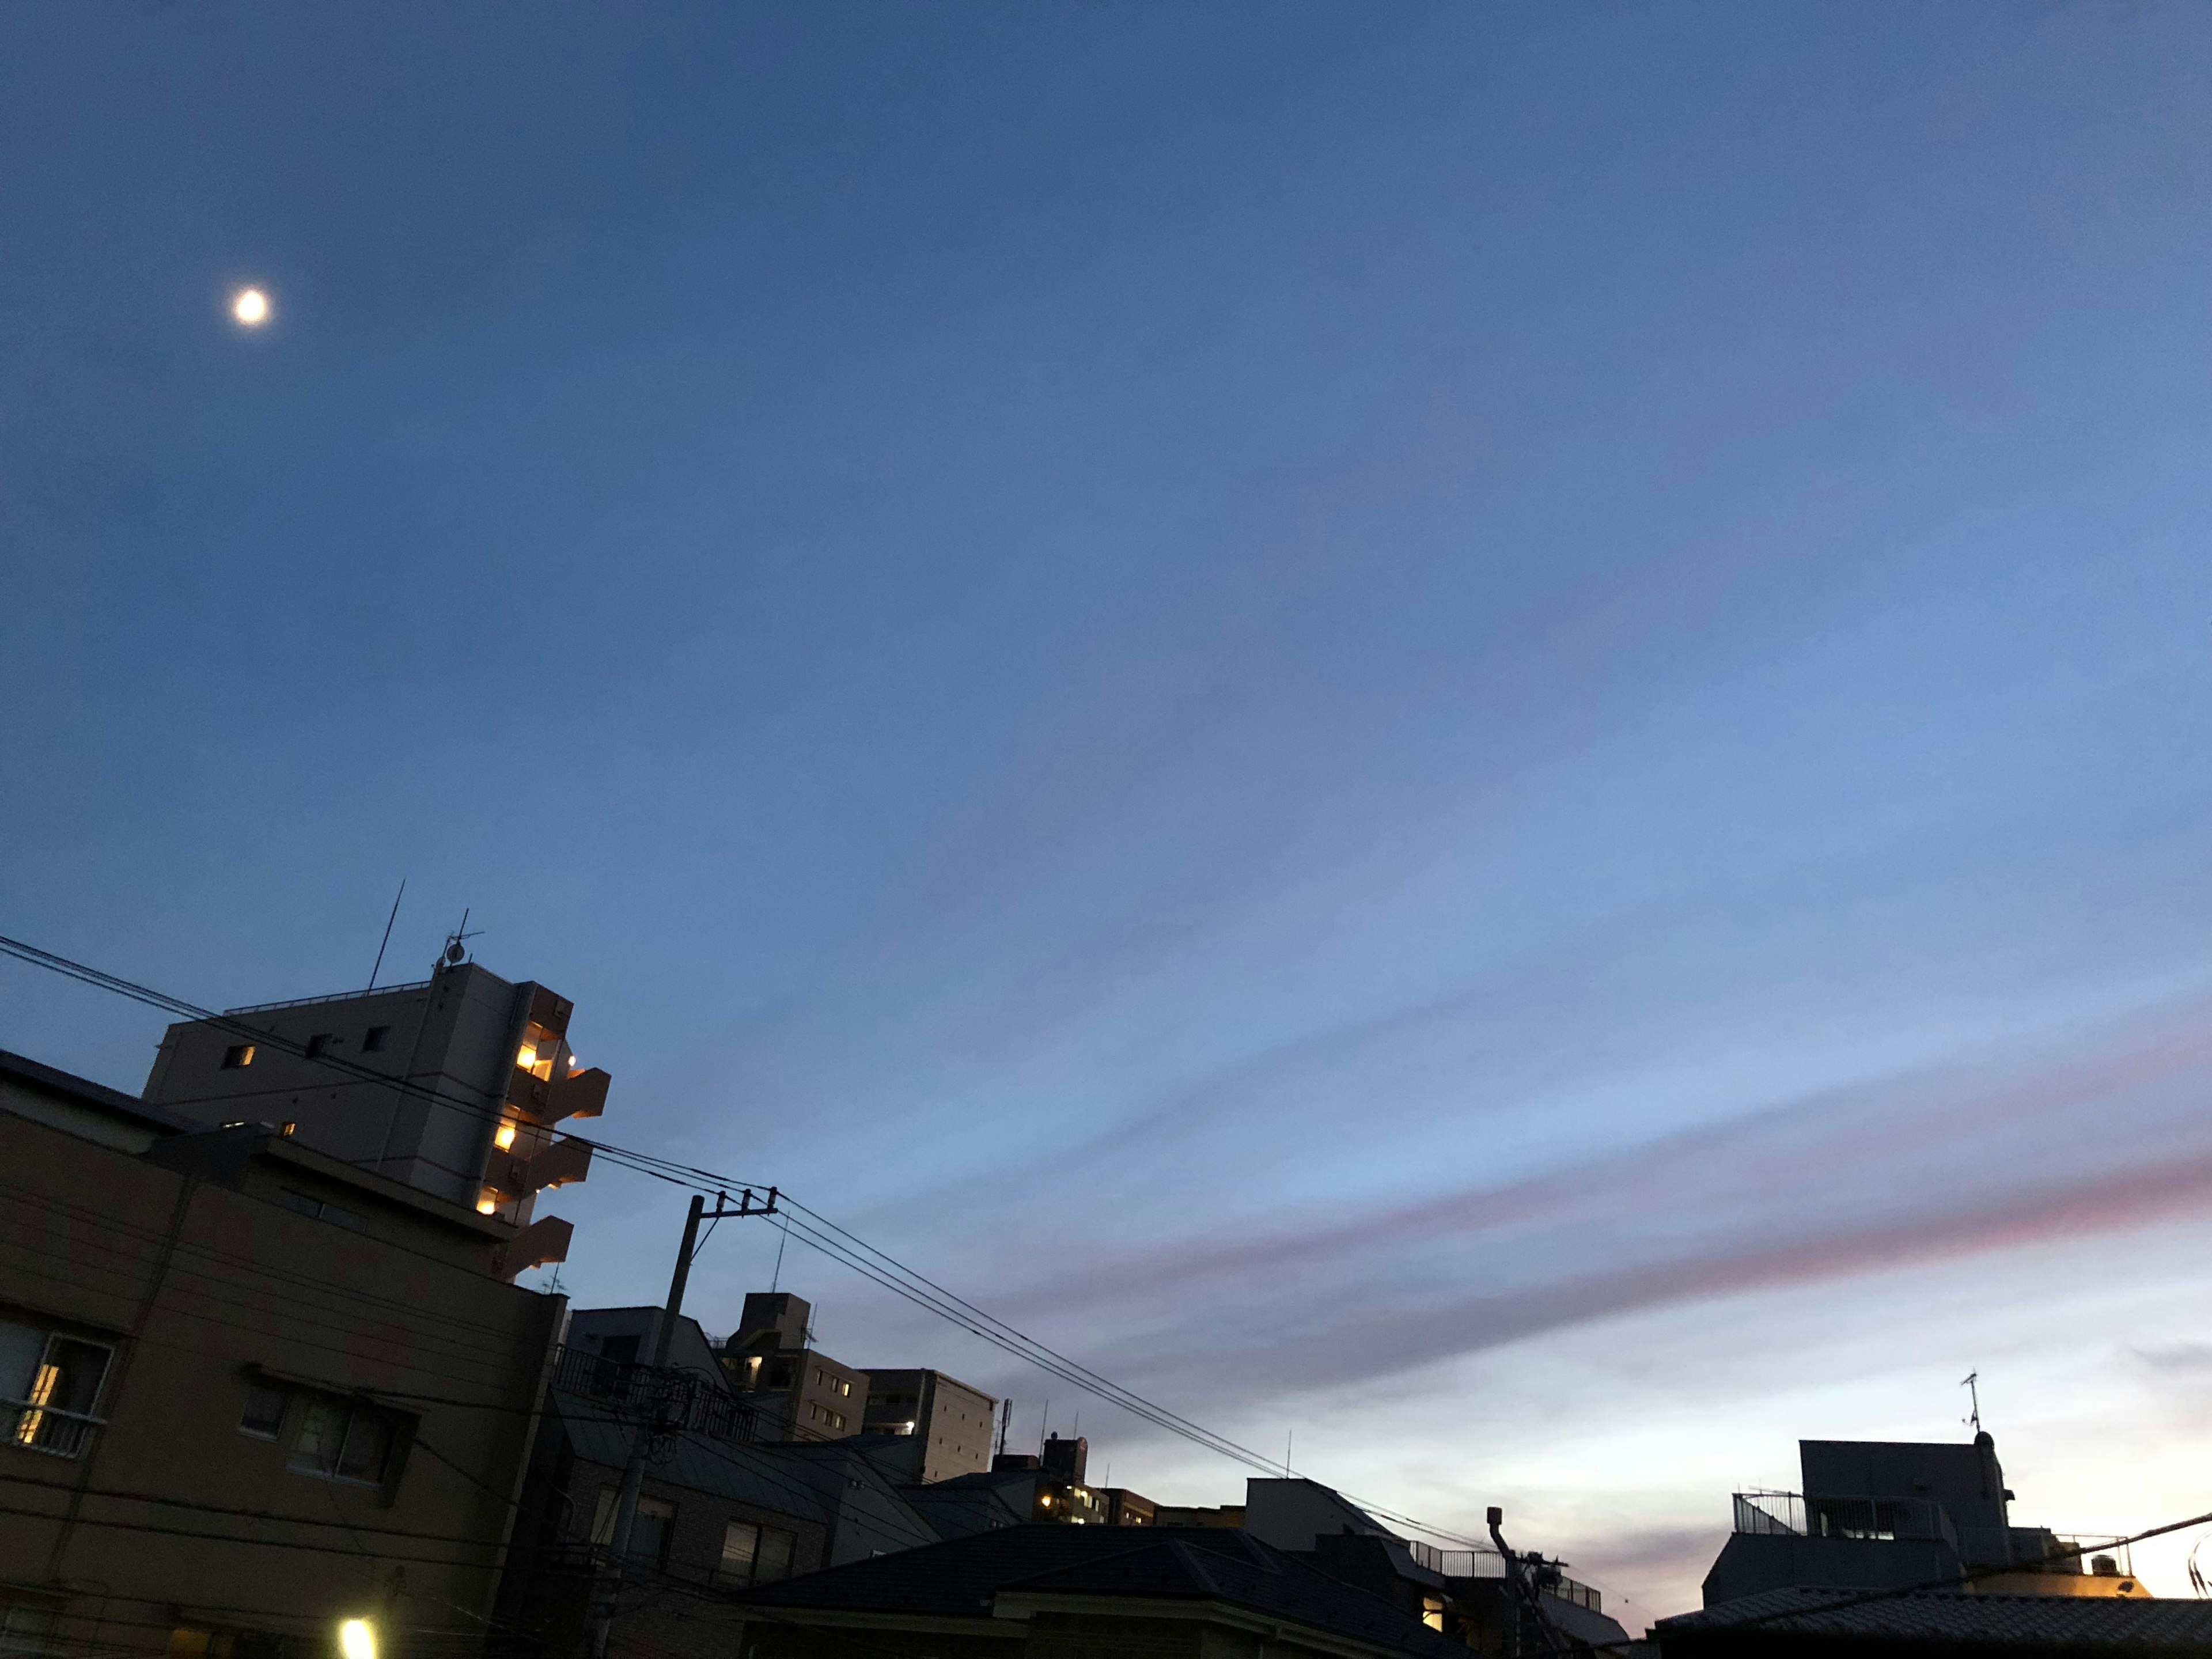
point(826, 1235)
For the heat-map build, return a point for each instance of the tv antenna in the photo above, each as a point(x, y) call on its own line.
point(388, 921)
point(1972, 1382)
point(457, 944)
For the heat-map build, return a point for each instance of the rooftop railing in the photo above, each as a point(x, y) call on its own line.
point(1489, 1563)
point(1793, 1515)
point(335, 996)
point(663, 1396)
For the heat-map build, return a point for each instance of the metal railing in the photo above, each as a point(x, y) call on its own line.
point(335, 996)
point(1489, 1563)
point(1457, 1564)
point(1793, 1515)
point(660, 1394)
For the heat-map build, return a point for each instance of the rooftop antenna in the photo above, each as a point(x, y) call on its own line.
point(1972, 1382)
point(1006, 1423)
point(1043, 1423)
point(388, 921)
point(457, 946)
point(1289, 1435)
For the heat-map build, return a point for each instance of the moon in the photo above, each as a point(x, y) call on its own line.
point(251, 308)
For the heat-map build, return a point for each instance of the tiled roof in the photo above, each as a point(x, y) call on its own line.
point(2123, 1623)
point(963, 1576)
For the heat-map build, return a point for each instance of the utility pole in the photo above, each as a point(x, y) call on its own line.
point(641, 1431)
point(1524, 1597)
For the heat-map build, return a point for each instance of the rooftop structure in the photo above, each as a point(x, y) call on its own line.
point(452, 1086)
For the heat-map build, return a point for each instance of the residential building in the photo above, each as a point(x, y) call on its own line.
point(719, 1508)
point(1883, 1514)
point(1051, 1488)
point(950, 1424)
point(247, 1389)
point(1032, 1592)
point(452, 1086)
point(801, 1393)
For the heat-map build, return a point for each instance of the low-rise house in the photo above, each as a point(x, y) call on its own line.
point(1885, 1514)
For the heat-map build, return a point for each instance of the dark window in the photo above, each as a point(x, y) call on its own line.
point(49, 1388)
point(650, 1529)
point(344, 1440)
point(263, 1416)
point(237, 1056)
point(318, 1045)
point(373, 1039)
point(623, 1350)
point(754, 1555)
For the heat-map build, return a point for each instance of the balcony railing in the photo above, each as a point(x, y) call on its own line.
point(659, 1394)
point(1793, 1515)
point(1489, 1563)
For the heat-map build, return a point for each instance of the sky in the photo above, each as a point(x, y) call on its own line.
point(1471, 737)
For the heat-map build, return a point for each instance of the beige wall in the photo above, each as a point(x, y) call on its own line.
point(204, 1290)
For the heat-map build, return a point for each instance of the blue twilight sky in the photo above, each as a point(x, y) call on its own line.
point(1478, 731)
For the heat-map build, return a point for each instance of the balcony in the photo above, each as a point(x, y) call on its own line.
point(1489, 1563)
point(1881, 1520)
point(662, 1396)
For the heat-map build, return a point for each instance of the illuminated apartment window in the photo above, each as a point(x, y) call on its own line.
point(49, 1389)
point(373, 1038)
point(487, 1202)
point(238, 1056)
point(504, 1138)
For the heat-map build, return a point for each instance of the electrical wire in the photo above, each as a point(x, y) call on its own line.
point(878, 1265)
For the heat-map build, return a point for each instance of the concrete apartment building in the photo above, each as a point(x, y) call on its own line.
point(452, 1086)
point(950, 1424)
point(799, 1392)
point(247, 1390)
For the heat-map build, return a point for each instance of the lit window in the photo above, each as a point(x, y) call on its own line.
point(288, 1130)
point(487, 1202)
point(50, 1387)
point(238, 1056)
point(263, 1416)
point(526, 1057)
point(504, 1139)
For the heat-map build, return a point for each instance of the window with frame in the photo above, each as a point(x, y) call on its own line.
point(753, 1554)
point(650, 1530)
point(263, 1416)
point(238, 1056)
point(50, 1387)
point(26, 1629)
point(373, 1039)
point(347, 1440)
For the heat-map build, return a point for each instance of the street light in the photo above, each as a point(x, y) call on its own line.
point(357, 1640)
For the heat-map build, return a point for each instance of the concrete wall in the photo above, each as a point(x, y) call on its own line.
point(208, 1284)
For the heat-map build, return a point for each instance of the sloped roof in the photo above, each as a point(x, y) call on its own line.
point(2124, 1624)
point(962, 1577)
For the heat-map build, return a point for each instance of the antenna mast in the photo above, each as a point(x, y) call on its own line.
point(1972, 1382)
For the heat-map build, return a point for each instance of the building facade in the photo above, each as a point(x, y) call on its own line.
point(247, 1390)
point(949, 1423)
point(801, 1393)
point(452, 1085)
